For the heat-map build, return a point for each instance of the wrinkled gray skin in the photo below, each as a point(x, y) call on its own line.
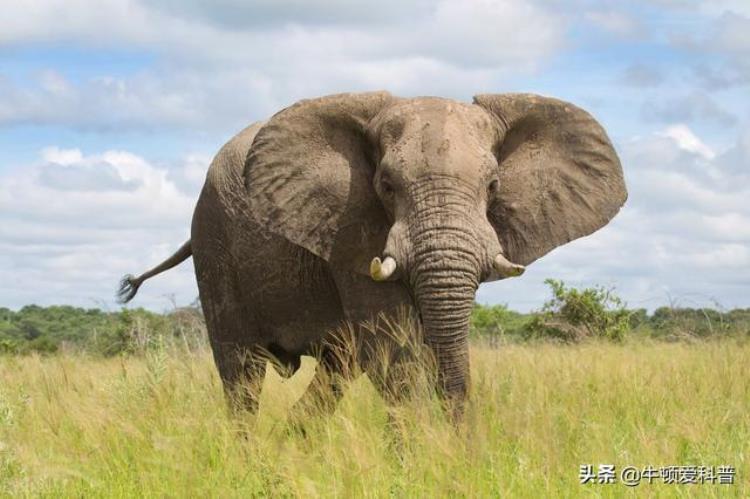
point(294, 209)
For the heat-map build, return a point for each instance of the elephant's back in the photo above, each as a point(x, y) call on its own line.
point(225, 173)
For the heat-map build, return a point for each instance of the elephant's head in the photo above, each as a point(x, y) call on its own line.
point(440, 194)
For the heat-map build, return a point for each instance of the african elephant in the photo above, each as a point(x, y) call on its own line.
point(341, 207)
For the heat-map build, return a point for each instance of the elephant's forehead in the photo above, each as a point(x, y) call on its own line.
point(438, 136)
point(434, 117)
point(436, 108)
point(428, 125)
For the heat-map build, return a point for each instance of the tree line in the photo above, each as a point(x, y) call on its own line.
point(570, 315)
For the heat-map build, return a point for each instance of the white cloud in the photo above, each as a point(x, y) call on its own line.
point(687, 140)
point(146, 101)
point(616, 22)
point(490, 33)
point(215, 71)
point(241, 14)
point(70, 238)
point(61, 156)
point(503, 30)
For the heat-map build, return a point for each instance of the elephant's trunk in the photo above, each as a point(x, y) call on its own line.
point(445, 306)
point(445, 266)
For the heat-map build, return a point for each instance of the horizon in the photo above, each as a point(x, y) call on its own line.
point(111, 112)
point(196, 304)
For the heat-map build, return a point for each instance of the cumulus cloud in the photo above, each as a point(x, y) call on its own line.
point(239, 14)
point(264, 30)
point(686, 140)
point(175, 99)
point(617, 22)
point(233, 62)
point(73, 224)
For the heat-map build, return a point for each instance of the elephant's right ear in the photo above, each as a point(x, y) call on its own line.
point(309, 178)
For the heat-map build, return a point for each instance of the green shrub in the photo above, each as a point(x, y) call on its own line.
point(572, 314)
point(8, 346)
point(40, 344)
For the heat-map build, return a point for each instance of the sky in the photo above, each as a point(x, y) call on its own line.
point(111, 110)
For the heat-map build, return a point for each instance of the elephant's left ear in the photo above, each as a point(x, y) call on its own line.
point(309, 174)
point(560, 177)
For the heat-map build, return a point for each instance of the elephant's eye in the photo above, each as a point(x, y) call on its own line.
point(492, 187)
point(386, 188)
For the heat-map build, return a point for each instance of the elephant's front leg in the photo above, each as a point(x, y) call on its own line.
point(387, 331)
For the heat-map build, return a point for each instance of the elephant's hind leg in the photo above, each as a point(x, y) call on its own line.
point(232, 328)
point(242, 370)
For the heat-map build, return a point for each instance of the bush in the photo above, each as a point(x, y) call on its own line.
point(8, 346)
point(572, 315)
point(41, 345)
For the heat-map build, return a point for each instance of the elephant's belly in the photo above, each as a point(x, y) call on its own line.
point(292, 296)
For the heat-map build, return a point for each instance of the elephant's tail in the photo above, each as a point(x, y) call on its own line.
point(129, 284)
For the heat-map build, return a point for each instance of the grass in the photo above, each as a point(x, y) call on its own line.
point(157, 426)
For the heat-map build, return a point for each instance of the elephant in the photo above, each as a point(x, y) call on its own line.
point(342, 207)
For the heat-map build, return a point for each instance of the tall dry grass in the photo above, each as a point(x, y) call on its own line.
point(157, 426)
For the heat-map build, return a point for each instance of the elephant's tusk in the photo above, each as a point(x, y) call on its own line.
point(506, 268)
point(381, 271)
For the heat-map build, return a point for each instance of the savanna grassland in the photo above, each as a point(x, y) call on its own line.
point(156, 425)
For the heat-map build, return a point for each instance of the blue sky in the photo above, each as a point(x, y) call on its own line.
point(110, 112)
